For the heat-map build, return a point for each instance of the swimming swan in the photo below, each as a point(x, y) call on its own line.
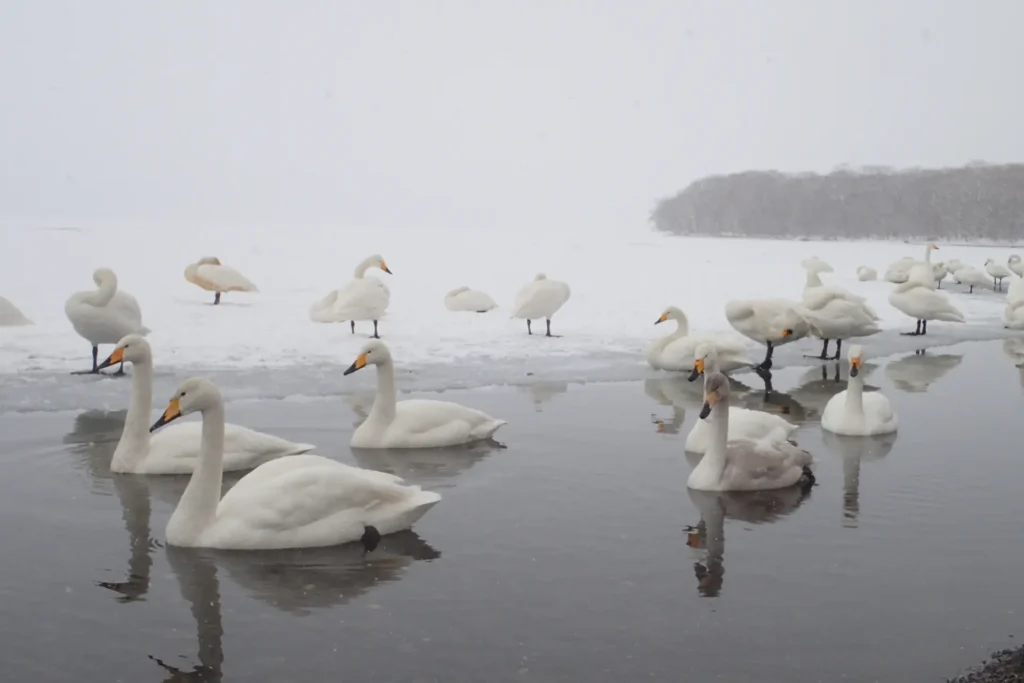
point(104, 315)
point(922, 303)
point(210, 274)
point(998, 272)
point(866, 274)
point(466, 299)
point(540, 298)
point(743, 464)
point(834, 313)
point(175, 450)
point(772, 322)
point(10, 316)
point(854, 413)
point(675, 351)
point(413, 423)
point(302, 501)
point(743, 423)
point(363, 298)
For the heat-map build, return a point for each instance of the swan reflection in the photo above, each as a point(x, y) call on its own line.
point(819, 384)
point(916, 372)
point(1014, 350)
point(543, 392)
point(854, 450)
point(677, 392)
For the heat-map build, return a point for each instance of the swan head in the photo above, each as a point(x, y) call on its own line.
point(856, 356)
point(932, 247)
point(700, 357)
point(132, 348)
point(103, 275)
point(374, 353)
point(671, 313)
point(1014, 258)
point(813, 263)
point(208, 261)
point(378, 261)
point(988, 261)
point(716, 388)
point(195, 395)
point(540, 276)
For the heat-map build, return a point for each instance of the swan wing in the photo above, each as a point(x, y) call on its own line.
point(426, 423)
point(878, 411)
point(364, 298)
point(466, 299)
point(175, 449)
point(540, 299)
point(744, 424)
point(225, 278)
point(763, 465)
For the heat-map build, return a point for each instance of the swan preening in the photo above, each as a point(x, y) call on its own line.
point(301, 501)
point(104, 315)
point(10, 316)
point(413, 423)
point(675, 351)
point(363, 298)
point(866, 274)
point(540, 298)
point(1015, 264)
point(923, 303)
point(466, 299)
point(998, 271)
point(210, 274)
point(832, 312)
point(855, 413)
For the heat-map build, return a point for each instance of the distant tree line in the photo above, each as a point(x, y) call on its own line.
point(979, 202)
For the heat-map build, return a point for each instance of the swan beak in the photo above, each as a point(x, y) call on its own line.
point(172, 413)
point(709, 401)
point(384, 267)
point(663, 318)
point(698, 369)
point(935, 248)
point(786, 333)
point(358, 364)
point(116, 357)
point(854, 367)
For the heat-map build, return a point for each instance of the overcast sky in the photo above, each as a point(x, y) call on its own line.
point(479, 114)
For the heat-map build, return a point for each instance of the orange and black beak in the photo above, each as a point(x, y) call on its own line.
point(113, 359)
point(698, 369)
point(384, 267)
point(854, 367)
point(358, 364)
point(172, 413)
point(786, 333)
point(662, 318)
point(709, 401)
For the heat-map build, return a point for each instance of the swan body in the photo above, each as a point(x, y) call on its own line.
point(998, 272)
point(922, 303)
point(540, 298)
point(675, 351)
point(767, 320)
point(175, 450)
point(1013, 314)
point(302, 501)
point(466, 299)
point(866, 274)
point(854, 413)
point(210, 274)
point(104, 315)
point(1015, 264)
point(834, 313)
point(363, 298)
point(743, 464)
point(898, 271)
point(414, 423)
point(924, 271)
point(972, 277)
point(10, 316)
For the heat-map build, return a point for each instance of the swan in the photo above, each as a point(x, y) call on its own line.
point(210, 274)
point(865, 274)
point(972, 277)
point(924, 271)
point(1013, 314)
point(922, 303)
point(743, 464)
point(302, 501)
point(175, 450)
point(466, 299)
point(854, 413)
point(675, 351)
point(413, 423)
point(898, 270)
point(953, 265)
point(104, 315)
point(1016, 265)
point(10, 316)
point(540, 298)
point(998, 272)
point(834, 313)
point(772, 322)
point(743, 423)
point(363, 298)
point(939, 273)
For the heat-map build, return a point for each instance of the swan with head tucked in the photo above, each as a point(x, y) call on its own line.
point(363, 298)
point(466, 299)
point(104, 315)
point(413, 423)
point(10, 316)
point(675, 351)
point(897, 272)
point(1013, 314)
point(743, 423)
point(540, 298)
point(923, 303)
point(998, 271)
point(854, 413)
point(302, 501)
point(834, 313)
point(772, 322)
point(866, 274)
point(1015, 264)
point(973, 277)
point(210, 274)
point(743, 464)
point(175, 450)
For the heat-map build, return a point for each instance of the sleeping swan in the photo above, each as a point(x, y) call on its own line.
point(466, 299)
point(743, 423)
point(675, 351)
point(413, 423)
point(210, 274)
point(302, 501)
point(540, 298)
point(866, 274)
point(175, 450)
point(834, 313)
point(854, 413)
point(363, 298)
point(104, 315)
point(10, 316)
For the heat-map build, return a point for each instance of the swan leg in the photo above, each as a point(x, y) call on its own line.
point(766, 376)
point(766, 364)
point(529, 330)
point(824, 349)
point(839, 346)
point(924, 327)
point(120, 370)
point(352, 325)
point(548, 333)
point(216, 298)
point(915, 333)
point(375, 335)
point(95, 364)
point(370, 539)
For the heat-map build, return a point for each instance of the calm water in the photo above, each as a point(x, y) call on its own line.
point(576, 553)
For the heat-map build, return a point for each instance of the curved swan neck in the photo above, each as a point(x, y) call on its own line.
point(363, 266)
point(198, 505)
point(384, 404)
point(813, 280)
point(682, 324)
point(134, 444)
point(105, 291)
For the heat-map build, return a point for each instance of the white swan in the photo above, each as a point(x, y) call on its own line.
point(922, 303)
point(897, 272)
point(302, 501)
point(1013, 314)
point(1015, 264)
point(834, 313)
point(939, 273)
point(772, 322)
point(866, 274)
point(175, 450)
point(854, 413)
point(924, 271)
point(972, 277)
point(363, 298)
point(104, 315)
point(10, 316)
point(998, 272)
point(675, 351)
point(540, 298)
point(743, 423)
point(743, 464)
point(466, 299)
point(413, 423)
point(210, 274)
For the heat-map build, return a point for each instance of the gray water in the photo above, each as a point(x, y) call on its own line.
point(574, 553)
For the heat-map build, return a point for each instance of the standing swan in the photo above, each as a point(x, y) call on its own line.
point(834, 313)
point(363, 298)
point(540, 298)
point(772, 322)
point(923, 303)
point(854, 413)
point(675, 351)
point(104, 315)
point(303, 501)
point(743, 464)
point(10, 316)
point(175, 450)
point(210, 274)
point(998, 272)
point(1016, 265)
point(413, 423)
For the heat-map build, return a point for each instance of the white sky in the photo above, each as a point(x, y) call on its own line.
point(478, 114)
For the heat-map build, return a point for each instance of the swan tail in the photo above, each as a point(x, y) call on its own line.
point(486, 430)
point(300, 448)
point(143, 330)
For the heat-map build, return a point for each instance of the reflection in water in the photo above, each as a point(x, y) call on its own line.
point(1014, 350)
point(853, 450)
point(680, 393)
point(919, 370)
point(542, 392)
point(754, 507)
point(819, 384)
point(436, 466)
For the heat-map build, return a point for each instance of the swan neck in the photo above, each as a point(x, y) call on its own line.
point(928, 255)
point(682, 326)
point(198, 505)
point(813, 280)
point(855, 395)
point(714, 457)
point(362, 268)
point(385, 401)
point(134, 444)
point(105, 291)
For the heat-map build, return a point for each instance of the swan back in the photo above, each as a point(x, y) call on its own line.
point(540, 298)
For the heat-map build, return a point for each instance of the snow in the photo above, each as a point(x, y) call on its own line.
point(264, 345)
